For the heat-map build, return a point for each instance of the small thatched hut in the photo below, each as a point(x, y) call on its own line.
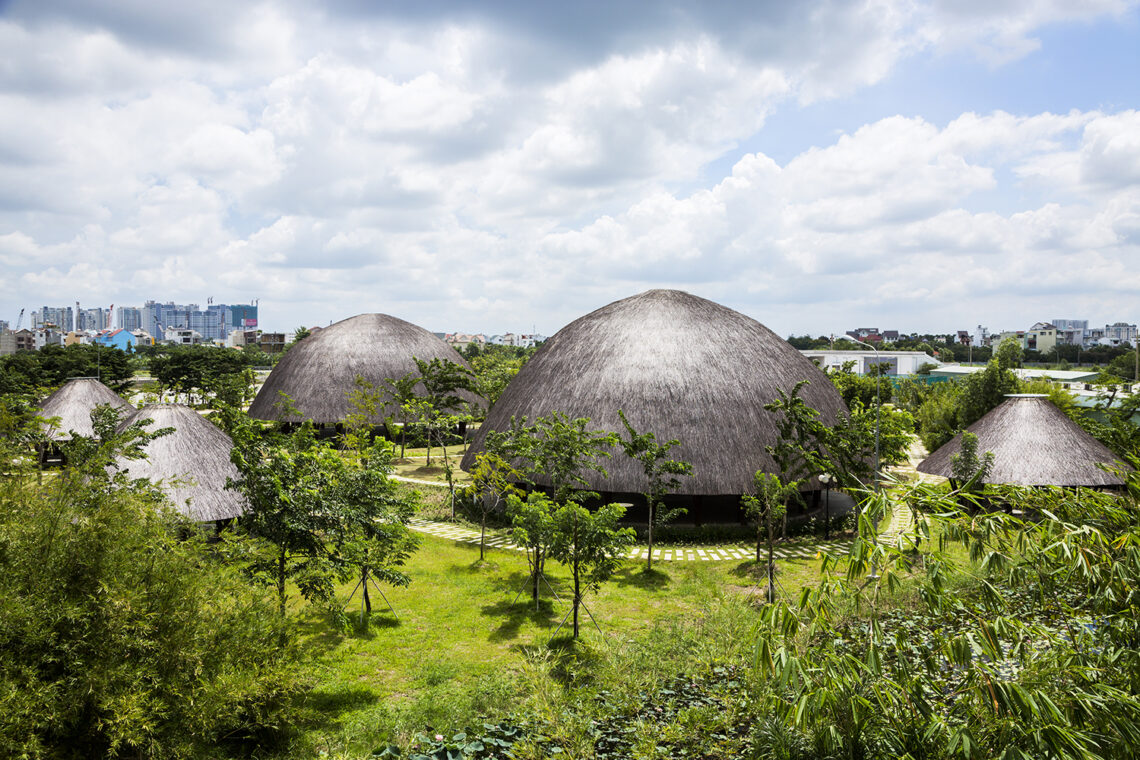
point(319, 373)
point(193, 462)
point(680, 367)
point(1034, 444)
point(73, 403)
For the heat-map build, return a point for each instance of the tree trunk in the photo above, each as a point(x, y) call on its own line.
point(403, 435)
point(482, 535)
point(771, 562)
point(577, 568)
point(649, 563)
point(537, 574)
point(364, 585)
point(281, 581)
point(450, 482)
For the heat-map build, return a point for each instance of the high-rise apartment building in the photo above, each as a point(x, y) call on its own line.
point(59, 317)
point(130, 318)
point(94, 319)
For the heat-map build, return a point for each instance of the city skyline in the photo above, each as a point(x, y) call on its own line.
point(921, 165)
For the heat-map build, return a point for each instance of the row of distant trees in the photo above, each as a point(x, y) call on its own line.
point(1114, 358)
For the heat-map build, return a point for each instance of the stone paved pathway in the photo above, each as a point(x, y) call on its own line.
point(901, 524)
point(669, 554)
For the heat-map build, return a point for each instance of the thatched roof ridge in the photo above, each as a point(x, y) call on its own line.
point(193, 462)
point(320, 372)
point(1034, 444)
point(679, 366)
point(73, 403)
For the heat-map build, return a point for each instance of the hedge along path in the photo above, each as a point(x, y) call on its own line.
point(499, 540)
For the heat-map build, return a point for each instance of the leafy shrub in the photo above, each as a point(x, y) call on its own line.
point(119, 637)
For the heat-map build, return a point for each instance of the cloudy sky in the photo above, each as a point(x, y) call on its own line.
point(512, 165)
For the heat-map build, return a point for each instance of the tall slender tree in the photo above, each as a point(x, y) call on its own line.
point(660, 475)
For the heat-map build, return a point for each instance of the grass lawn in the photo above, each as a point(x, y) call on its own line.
point(414, 465)
point(462, 649)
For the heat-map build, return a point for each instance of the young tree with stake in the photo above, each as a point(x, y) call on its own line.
point(767, 505)
point(660, 475)
point(590, 544)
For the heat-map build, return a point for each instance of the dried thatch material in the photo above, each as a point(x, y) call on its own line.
point(1034, 444)
point(680, 367)
point(320, 372)
point(192, 463)
point(73, 403)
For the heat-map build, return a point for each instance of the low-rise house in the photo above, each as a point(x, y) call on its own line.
point(893, 362)
point(181, 336)
point(124, 340)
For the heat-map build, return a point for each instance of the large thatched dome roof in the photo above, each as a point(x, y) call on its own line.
point(1034, 444)
point(680, 367)
point(73, 403)
point(193, 461)
point(320, 372)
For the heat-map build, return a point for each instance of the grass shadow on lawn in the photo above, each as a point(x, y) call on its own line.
point(640, 577)
point(514, 614)
point(321, 710)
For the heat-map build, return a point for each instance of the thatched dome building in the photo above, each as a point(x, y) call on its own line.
point(1034, 444)
point(320, 372)
point(193, 462)
point(73, 403)
point(680, 367)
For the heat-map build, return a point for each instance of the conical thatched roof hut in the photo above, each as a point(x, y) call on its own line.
point(73, 403)
point(193, 462)
point(680, 367)
point(320, 372)
point(1034, 444)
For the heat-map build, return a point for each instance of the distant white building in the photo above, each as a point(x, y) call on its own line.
point(894, 362)
point(512, 339)
point(182, 336)
point(43, 336)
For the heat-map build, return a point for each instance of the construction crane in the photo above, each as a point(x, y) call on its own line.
point(20, 319)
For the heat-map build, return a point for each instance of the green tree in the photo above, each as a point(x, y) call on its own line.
point(53, 365)
point(372, 541)
point(532, 527)
point(590, 544)
point(862, 388)
point(560, 449)
point(401, 393)
point(197, 369)
point(660, 475)
point(290, 487)
point(967, 468)
point(982, 391)
point(767, 504)
point(495, 367)
point(491, 483)
point(442, 381)
point(121, 634)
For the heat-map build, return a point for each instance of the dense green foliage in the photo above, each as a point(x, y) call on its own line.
point(494, 367)
point(122, 633)
point(806, 447)
point(317, 516)
point(200, 369)
point(867, 390)
point(1025, 648)
point(51, 366)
